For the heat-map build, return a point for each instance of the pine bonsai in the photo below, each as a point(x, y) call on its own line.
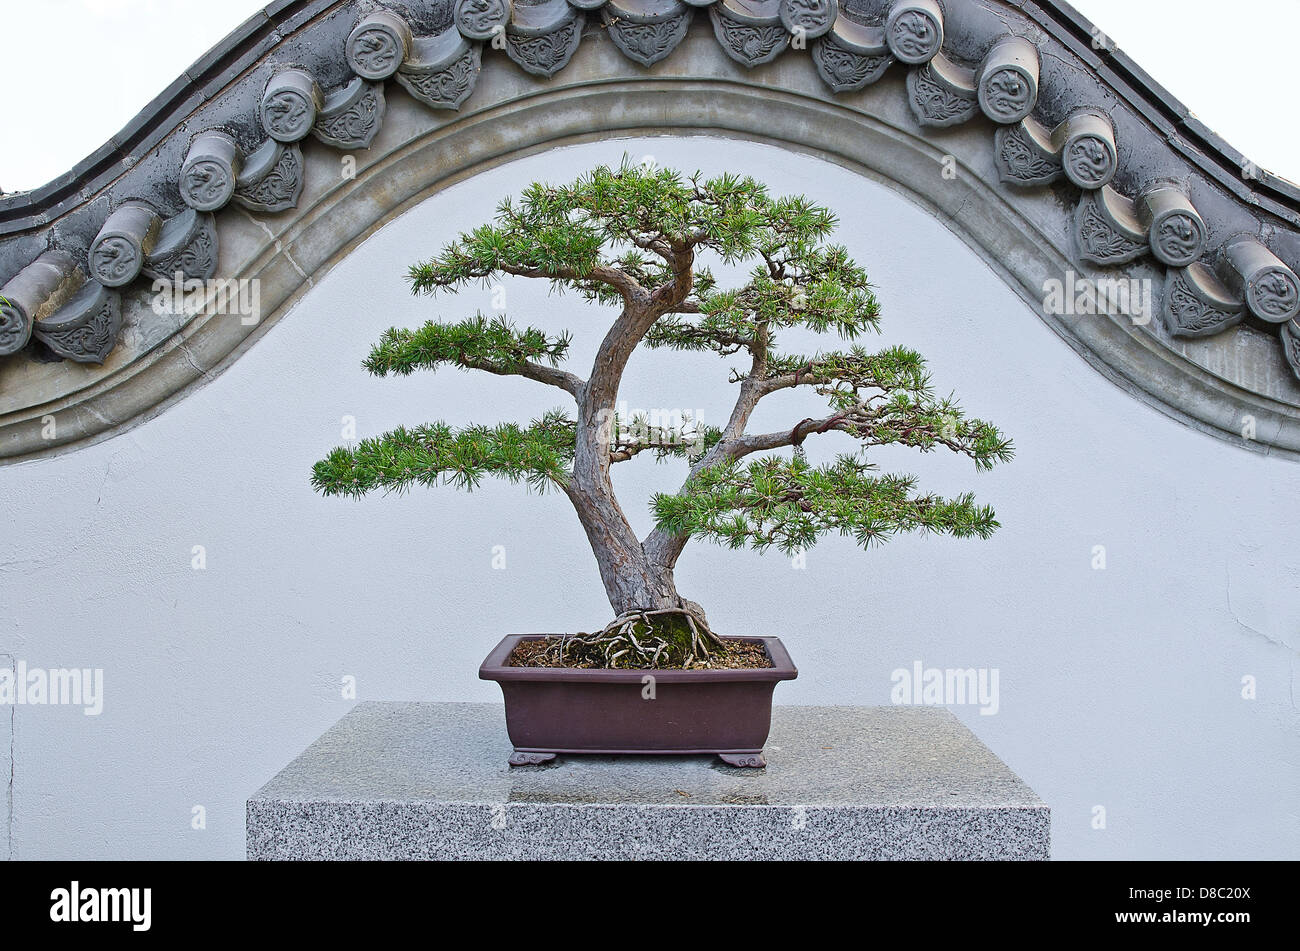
point(634, 237)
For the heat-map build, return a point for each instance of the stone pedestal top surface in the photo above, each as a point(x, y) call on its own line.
point(430, 780)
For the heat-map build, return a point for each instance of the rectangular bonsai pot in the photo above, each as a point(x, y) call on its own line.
point(552, 710)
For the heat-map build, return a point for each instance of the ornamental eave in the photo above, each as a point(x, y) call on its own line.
point(1148, 186)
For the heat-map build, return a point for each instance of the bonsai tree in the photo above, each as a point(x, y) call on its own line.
point(638, 239)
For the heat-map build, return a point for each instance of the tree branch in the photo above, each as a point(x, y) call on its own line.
point(663, 548)
point(630, 290)
point(569, 382)
point(743, 446)
point(494, 346)
point(638, 316)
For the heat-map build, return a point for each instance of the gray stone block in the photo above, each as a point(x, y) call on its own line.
point(430, 781)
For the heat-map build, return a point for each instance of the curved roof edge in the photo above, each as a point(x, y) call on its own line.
point(35, 208)
point(1103, 165)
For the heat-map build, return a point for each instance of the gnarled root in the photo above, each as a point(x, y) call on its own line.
point(665, 637)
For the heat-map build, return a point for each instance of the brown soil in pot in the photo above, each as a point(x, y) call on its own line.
point(735, 655)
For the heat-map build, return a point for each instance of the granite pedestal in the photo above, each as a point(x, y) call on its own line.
point(430, 781)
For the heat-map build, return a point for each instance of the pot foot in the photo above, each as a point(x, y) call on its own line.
point(530, 759)
point(751, 760)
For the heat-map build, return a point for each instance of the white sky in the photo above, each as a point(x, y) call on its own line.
point(1236, 72)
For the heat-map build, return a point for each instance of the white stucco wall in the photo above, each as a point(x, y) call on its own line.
point(1119, 688)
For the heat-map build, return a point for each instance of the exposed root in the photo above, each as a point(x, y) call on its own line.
point(666, 637)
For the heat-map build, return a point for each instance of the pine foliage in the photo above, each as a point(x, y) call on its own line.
point(634, 237)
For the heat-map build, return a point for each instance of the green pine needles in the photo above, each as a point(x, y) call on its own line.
point(476, 344)
point(789, 504)
point(538, 455)
point(639, 239)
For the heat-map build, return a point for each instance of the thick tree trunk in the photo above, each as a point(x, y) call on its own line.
point(643, 589)
point(632, 582)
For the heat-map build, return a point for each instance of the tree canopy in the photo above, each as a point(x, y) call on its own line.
point(641, 239)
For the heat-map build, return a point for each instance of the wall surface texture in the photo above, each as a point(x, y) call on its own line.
point(1119, 687)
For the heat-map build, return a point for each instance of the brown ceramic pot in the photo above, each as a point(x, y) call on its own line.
point(552, 710)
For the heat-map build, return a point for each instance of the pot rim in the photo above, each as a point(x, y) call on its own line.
point(495, 668)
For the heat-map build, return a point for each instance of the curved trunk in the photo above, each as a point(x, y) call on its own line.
point(635, 579)
point(632, 582)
